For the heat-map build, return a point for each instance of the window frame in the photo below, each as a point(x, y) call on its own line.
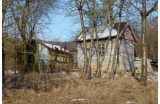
point(102, 49)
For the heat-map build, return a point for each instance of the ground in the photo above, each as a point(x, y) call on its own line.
point(68, 88)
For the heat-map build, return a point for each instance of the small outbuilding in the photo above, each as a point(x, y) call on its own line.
point(54, 55)
point(107, 38)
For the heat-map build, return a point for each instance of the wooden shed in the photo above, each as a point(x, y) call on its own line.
point(125, 51)
point(54, 55)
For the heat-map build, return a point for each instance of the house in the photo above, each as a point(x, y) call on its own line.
point(54, 55)
point(125, 51)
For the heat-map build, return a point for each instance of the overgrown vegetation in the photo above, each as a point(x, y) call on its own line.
point(31, 52)
point(24, 19)
point(63, 88)
point(21, 21)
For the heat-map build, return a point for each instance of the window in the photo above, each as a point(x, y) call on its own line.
point(101, 49)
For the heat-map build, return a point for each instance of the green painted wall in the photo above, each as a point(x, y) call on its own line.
point(43, 53)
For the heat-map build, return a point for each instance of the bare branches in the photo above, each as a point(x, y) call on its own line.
point(130, 2)
point(80, 4)
point(153, 8)
point(25, 15)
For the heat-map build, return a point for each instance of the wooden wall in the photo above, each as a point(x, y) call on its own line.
point(108, 57)
point(57, 59)
point(125, 55)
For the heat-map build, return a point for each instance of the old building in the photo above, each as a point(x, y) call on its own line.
point(107, 38)
point(54, 55)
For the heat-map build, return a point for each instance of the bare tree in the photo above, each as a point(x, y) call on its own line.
point(107, 9)
point(91, 9)
point(79, 5)
point(144, 13)
point(109, 18)
point(114, 64)
point(26, 15)
point(5, 5)
point(98, 72)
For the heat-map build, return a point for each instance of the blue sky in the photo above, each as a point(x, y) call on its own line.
point(61, 28)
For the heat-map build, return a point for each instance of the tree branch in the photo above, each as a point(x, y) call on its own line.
point(134, 6)
point(152, 9)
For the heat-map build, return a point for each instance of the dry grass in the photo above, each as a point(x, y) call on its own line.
point(63, 89)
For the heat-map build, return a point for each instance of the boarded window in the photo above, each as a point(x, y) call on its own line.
point(101, 49)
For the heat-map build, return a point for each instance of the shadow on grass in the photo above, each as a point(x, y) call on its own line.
point(35, 81)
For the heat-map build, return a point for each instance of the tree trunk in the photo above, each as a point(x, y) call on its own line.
point(109, 19)
point(106, 49)
point(3, 63)
point(25, 67)
point(144, 13)
point(79, 6)
point(114, 63)
point(98, 73)
point(144, 54)
point(4, 10)
point(91, 16)
point(84, 44)
point(91, 45)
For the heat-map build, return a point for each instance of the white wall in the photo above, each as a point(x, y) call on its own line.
point(108, 56)
point(125, 54)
